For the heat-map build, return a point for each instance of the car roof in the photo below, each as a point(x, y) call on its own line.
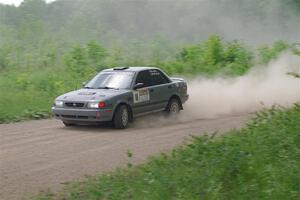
point(130, 69)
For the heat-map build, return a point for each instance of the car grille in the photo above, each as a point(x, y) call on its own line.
point(74, 104)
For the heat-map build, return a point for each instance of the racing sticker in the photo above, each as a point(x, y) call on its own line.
point(141, 95)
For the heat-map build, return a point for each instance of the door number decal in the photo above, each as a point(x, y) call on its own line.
point(141, 95)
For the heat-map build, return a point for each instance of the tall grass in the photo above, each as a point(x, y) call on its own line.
point(28, 87)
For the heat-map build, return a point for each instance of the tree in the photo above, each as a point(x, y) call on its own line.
point(96, 54)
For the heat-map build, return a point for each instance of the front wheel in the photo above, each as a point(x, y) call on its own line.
point(121, 117)
point(173, 107)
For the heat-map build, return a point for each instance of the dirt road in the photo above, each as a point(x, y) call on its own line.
point(37, 155)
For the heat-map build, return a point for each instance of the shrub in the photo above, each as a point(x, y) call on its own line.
point(267, 53)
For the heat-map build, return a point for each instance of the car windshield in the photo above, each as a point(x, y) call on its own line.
point(111, 80)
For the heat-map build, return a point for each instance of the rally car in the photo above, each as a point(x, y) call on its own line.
point(119, 95)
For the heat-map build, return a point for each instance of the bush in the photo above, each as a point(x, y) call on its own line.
point(238, 60)
point(82, 62)
point(212, 57)
point(57, 73)
point(267, 53)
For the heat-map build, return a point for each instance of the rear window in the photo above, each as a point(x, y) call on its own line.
point(151, 77)
point(158, 77)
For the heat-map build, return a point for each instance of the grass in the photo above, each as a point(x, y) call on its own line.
point(28, 89)
point(30, 95)
point(18, 106)
point(261, 161)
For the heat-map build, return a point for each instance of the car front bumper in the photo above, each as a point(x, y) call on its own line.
point(82, 115)
point(184, 98)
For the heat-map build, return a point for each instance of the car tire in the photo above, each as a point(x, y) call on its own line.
point(68, 124)
point(173, 107)
point(121, 117)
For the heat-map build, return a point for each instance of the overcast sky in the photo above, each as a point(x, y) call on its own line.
point(16, 2)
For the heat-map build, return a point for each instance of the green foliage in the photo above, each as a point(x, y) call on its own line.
point(76, 62)
point(49, 83)
point(129, 155)
point(237, 58)
point(211, 57)
point(4, 52)
point(296, 48)
point(85, 61)
point(213, 51)
point(96, 55)
point(41, 79)
point(267, 53)
point(22, 81)
point(48, 49)
point(260, 161)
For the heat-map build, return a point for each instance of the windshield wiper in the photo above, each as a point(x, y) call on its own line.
point(107, 88)
point(86, 87)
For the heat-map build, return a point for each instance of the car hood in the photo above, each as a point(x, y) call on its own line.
point(90, 94)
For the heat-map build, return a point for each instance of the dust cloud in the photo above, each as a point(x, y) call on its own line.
point(262, 87)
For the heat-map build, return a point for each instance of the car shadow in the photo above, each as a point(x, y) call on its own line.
point(105, 126)
point(153, 120)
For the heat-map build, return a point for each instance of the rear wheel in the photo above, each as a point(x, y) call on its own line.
point(68, 123)
point(121, 117)
point(173, 107)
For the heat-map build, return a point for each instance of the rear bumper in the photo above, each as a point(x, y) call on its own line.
point(82, 115)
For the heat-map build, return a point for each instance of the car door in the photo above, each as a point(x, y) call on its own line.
point(141, 96)
point(160, 89)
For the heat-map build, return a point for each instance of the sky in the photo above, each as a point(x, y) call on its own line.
point(17, 2)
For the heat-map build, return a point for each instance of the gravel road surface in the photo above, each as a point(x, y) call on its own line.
point(42, 154)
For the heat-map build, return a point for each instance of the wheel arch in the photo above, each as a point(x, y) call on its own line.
point(129, 110)
point(175, 96)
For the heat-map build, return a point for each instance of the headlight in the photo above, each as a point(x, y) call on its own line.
point(59, 103)
point(93, 105)
point(101, 104)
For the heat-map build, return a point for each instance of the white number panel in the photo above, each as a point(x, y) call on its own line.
point(141, 95)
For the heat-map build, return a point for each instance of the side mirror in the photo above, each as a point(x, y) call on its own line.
point(138, 86)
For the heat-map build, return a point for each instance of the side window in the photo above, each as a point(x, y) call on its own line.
point(144, 77)
point(158, 77)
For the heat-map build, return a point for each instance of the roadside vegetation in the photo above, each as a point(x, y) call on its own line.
point(49, 49)
point(260, 161)
point(27, 92)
